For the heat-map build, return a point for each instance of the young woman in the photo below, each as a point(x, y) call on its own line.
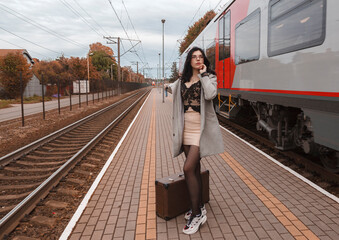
point(196, 130)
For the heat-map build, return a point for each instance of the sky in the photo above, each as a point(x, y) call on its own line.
point(49, 28)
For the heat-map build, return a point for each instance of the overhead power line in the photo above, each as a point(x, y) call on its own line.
point(79, 15)
point(90, 16)
point(29, 41)
point(191, 23)
point(34, 23)
point(192, 19)
point(110, 2)
point(176, 44)
point(134, 30)
point(23, 48)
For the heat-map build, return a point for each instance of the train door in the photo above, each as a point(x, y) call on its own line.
point(224, 61)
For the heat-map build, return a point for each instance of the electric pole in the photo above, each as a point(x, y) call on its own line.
point(116, 40)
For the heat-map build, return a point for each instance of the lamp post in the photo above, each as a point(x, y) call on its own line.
point(163, 59)
point(159, 71)
point(87, 82)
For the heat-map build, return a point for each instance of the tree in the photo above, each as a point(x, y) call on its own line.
point(95, 47)
point(10, 67)
point(175, 73)
point(65, 74)
point(126, 74)
point(101, 60)
point(78, 68)
point(46, 69)
point(195, 30)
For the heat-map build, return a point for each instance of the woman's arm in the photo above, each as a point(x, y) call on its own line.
point(169, 87)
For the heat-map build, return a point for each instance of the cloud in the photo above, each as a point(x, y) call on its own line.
point(62, 18)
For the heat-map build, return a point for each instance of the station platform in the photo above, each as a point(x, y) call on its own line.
point(251, 195)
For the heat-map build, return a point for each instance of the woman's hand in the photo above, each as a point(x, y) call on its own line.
point(202, 69)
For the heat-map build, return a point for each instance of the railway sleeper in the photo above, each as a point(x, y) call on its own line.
point(29, 163)
point(55, 152)
point(31, 170)
point(48, 158)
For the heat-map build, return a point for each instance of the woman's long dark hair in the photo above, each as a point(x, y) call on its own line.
point(188, 71)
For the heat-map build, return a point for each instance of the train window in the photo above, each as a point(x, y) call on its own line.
point(279, 7)
point(224, 36)
point(209, 44)
point(221, 38)
point(247, 38)
point(297, 28)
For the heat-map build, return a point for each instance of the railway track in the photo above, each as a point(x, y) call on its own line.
point(307, 166)
point(60, 166)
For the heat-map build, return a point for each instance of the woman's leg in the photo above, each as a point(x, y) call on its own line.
point(186, 150)
point(198, 174)
point(192, 180)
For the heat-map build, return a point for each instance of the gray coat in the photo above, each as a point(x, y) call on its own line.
point(211, 141)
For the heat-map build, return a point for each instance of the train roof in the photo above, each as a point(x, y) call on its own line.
point(229, 3)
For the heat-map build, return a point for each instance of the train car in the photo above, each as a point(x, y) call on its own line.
point(280, 58)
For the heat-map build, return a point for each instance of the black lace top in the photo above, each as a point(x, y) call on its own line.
point(191, 96)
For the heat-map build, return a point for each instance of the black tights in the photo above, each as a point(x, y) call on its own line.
point(193, 177)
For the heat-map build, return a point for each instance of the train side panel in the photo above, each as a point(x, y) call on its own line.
point(311, 71)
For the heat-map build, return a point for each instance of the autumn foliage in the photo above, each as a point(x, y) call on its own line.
point(96, 47)
point(195, 30)
point(129, 76)
point(100, 59)
point(10, 67)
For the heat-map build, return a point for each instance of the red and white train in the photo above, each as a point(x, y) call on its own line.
point(281, 59)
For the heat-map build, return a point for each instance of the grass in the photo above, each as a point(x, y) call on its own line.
point(5, 104)
point(34, 99)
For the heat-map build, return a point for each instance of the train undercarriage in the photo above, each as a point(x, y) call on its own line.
point(289, 128)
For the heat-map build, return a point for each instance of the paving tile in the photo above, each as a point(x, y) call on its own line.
point(75, 236)
point(107, 237)
point(100, 225)
point(97, 234)
point(251, 235)
point(88, 230)
point(162, 236)
point(250, 197)
point(109, 229)
point(261, 233)
point(79, 228)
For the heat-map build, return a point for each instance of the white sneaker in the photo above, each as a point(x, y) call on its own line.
point(189, 213)
point(194, 224)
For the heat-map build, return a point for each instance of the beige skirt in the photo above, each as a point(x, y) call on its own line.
point(191, 134)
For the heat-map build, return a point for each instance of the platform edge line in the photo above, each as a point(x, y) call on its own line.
point(320, 189)
point(69, 228)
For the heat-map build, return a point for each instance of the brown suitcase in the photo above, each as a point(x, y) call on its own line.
point(172, 198)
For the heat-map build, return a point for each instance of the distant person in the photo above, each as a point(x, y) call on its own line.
point(196, 130)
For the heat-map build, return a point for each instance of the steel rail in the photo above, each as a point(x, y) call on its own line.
point(10, 220)
point(34, 145)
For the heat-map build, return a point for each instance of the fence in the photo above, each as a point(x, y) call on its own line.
point(100, 90)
